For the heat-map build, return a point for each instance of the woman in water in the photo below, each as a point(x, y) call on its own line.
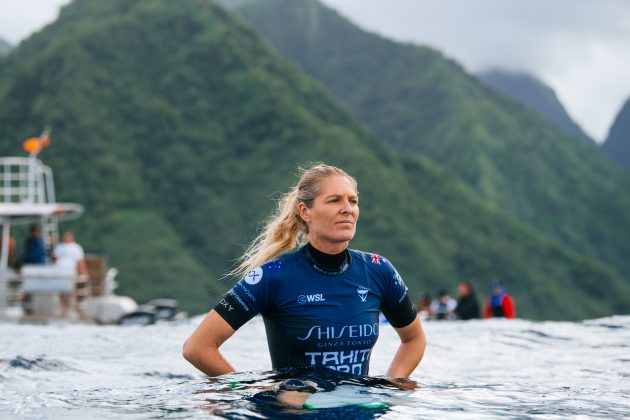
point(321, 301)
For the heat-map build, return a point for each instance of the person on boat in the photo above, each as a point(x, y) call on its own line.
point(12, 258)
point(443, 307)
point(69, 254)
point(499, 303)
point(320, 301)
point(467, 305)
point(35, 249)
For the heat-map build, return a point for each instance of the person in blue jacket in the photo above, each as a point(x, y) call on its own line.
point(320, 300)
point(34, 249)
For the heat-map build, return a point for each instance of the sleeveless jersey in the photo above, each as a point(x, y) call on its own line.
point(317, 317)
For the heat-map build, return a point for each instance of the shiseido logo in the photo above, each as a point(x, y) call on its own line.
point(347, 331)
point(318, 297)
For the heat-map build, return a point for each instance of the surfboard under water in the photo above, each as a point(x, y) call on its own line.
point(325, 393)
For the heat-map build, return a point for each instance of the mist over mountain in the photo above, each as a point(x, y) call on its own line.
point(4, 46)
point(176, 126)
point(418, 101)
point(534, 93)
point(617, 145)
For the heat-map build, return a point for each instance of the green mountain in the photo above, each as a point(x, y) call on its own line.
point(175, 125)
point(421, 102)
point(4, 46)
point(534, 93)
point(617, 145)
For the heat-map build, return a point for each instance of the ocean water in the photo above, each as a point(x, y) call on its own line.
point(474, 369)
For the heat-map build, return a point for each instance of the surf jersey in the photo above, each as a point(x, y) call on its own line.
point(317, 317)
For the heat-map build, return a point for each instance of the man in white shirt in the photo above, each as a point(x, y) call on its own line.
point(69, 254)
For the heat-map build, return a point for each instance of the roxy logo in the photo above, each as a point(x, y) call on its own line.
point(254, 276)
point(318, 297)
point(226, 305)
point(363, 293)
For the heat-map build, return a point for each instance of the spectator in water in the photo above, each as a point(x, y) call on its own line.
point(467, 305)
point(499, 303)
point(443, 307)
point(35, 250)
point(423, 306)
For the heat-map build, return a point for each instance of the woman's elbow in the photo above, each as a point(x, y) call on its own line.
point(423, 344)
point(189, 350)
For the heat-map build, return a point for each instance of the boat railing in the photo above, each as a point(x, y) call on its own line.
point(25, 180)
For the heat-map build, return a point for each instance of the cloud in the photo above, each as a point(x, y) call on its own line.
point(20, 18)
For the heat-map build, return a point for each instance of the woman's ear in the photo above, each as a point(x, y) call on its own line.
point(303, 212)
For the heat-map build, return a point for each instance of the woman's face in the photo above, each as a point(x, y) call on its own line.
point(333, 217)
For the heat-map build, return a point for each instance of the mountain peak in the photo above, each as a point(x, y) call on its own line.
point(5, 47)
point(534, 93)
point(617, 145)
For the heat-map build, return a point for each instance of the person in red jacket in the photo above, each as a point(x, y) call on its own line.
point(499, 303)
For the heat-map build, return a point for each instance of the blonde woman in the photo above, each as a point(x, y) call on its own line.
point(320, 300)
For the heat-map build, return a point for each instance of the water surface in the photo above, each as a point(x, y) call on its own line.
point(473, 369)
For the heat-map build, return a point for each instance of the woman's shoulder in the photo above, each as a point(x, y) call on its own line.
point(371, 259)
point(273, 269)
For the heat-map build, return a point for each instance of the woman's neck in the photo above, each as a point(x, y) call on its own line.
point(326, 260)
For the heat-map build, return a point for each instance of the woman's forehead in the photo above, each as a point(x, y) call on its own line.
point(337, 185)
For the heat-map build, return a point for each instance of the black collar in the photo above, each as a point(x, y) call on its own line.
point(327, 264)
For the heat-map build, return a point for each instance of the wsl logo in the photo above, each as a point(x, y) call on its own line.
point(363, 293)
point(318, 297)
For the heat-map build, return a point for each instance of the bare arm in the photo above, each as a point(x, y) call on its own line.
point(410, 352)
point(202, 347)
point(82, 267)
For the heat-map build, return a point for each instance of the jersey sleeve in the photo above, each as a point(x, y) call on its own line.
point(248, 297)
point(397, 306)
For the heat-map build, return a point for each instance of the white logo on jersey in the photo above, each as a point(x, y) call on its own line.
point(397, 278)
point(254, 276)
point(318, 297)
point(363, 293)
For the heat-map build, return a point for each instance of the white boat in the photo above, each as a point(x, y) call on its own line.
point(44, 292)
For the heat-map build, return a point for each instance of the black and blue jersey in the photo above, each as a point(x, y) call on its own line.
point(317, 317)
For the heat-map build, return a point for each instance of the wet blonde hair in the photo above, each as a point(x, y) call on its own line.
point(285, 230)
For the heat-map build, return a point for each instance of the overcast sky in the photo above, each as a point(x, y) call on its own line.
point(581, 48)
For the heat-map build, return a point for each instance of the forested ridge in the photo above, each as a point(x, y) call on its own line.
point(176, 126)
point(617, 144)
point(419, 101)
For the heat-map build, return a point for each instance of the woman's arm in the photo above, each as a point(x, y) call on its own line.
point(202, 348)
point(410, 352)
